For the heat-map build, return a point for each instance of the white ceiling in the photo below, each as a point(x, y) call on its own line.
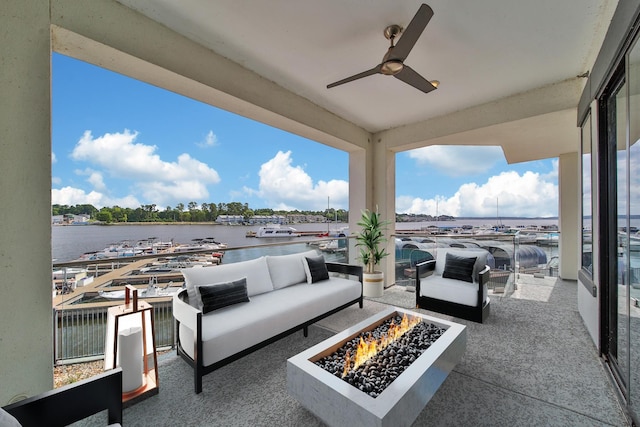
point(480, 51)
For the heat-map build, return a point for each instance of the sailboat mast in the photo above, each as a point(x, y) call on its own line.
point(328, 214)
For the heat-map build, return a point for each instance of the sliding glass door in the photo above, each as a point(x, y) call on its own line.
point(633, 256)
point(613, 191)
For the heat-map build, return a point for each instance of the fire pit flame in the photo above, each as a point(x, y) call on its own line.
point(368, 349)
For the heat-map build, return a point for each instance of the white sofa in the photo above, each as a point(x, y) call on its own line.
point(281, 300)
point(455, 285)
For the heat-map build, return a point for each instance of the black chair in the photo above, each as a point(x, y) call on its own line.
point(73, 402)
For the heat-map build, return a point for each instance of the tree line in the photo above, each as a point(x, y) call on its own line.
point(192, 212)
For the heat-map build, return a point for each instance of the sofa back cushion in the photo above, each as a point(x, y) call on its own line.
point(478, 266)
point(255, 271)
point(287, 270)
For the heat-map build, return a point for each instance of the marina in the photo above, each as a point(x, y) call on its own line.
point(83, 290)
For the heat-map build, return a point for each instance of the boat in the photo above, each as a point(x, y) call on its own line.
point(207, 244)
point(145, 293)
point(271, 231)
point(177, 263)
point(152, 291)
point(333, 246)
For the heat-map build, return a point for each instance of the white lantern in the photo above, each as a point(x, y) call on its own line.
point(130, 344)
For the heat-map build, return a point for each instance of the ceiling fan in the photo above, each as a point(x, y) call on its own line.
point(393, 61)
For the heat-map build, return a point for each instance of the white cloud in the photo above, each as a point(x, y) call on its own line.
point(457, 160)
point(211, 140)
point(507, 194)
point(179, 191)
point(119, 156)
point(75, 196)
point(54, 159)
point(95, 179)
point(284, 186)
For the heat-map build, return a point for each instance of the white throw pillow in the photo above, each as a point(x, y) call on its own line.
point(287, 270)
point(256, 271)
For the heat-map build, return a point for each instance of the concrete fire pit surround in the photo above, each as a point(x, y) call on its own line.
point(337, 403)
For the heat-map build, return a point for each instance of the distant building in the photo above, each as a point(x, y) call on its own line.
point(268, 219)
point(230, 219)
point(300, 218)
point(68, 219)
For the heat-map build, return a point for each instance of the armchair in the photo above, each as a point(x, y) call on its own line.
point(71, 403)
point(455, 283)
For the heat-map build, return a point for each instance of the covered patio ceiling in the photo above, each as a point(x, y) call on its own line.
point(508, 69)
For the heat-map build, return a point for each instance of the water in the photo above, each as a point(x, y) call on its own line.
point(69, 242)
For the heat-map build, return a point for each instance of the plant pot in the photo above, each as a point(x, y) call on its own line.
point(373, 284)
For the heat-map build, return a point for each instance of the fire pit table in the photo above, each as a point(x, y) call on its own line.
point(331, 395)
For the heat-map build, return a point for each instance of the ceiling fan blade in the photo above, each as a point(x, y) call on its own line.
point(409, 76)
point(374, 70)
point(412, 33)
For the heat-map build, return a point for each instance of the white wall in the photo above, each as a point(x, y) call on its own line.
point(588, 305)
point(25, 193)
point(569, 198)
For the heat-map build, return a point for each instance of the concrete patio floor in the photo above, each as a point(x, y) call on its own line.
point(532, 363)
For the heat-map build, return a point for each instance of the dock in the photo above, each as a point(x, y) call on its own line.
point(115, 280)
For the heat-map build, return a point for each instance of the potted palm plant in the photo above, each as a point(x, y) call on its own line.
point(371, 241)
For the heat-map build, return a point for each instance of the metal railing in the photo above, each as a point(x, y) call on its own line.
point(80, 329)
point(527, 252)
point(79, 332)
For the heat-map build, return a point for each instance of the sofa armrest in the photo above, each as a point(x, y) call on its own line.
point(423, 269)
point(184, 313)
point(352, 270)
point(73, 402)
point(426, 267)
point(484, 275)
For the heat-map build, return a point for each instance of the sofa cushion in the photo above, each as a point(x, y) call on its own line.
point(287, 270)
point(316, 269)
point(234, 328)
point(255, 271)
point(459, 268)
point(216, 296)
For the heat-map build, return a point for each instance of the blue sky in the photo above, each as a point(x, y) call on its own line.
point(118, 141)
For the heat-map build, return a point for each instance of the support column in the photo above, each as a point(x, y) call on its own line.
point(569, 215)
point(359, 194)
point(384, 200)
point(26, 352)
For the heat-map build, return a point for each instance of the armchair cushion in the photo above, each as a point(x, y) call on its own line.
point(7, 420)
point(458, 267)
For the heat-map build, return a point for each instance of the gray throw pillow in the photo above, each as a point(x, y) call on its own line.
point(317, 269)
point(221, 295)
